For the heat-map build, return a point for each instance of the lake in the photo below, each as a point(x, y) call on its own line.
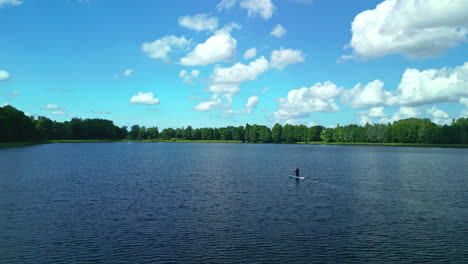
point(232, 203)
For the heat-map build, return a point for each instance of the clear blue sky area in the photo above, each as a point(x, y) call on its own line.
point(216, 63)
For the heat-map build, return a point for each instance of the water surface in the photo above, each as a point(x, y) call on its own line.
point(232, 203)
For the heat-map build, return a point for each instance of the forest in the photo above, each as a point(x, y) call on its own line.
point(15, 126)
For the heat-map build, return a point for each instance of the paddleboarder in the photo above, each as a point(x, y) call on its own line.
point(296, 171)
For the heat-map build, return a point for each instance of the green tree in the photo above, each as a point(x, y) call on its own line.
point(276, 133)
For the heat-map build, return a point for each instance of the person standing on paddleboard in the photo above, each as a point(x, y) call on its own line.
point(296, 171)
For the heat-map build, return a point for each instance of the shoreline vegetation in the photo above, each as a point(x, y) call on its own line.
point(18, 129)
point(27, 143)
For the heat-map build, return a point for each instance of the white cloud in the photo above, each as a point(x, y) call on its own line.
point(228, 89)
point(300, 103)
point(160, 48)
point(101, 112)
point(209, 105)
point(464, 101)
point(368, 116)
point(264, 8)
point(144, 98)
point(252, 103)
point(60, 113)
point(219, 47)
point(53, 107)
point(225, 4)
point(250, 53)
point(128, 72)
point(437, 113)
point(365, 120)
point(345, 57)
point(4, 3)
point(199, 22)
point(283, 57)
point(240, 72)
point(4, 76)
point(413, 28)
point(403, 113)
point(13, 93)
point(416, 88)
point(56, 110)
point(278, 31)
point(372, 94)
point(225, 83)
point(432, 86)
point(195, 73)
point(438, 116)
point(188, 77)
point(376, 112)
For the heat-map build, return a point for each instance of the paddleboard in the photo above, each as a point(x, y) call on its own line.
point(299, 178)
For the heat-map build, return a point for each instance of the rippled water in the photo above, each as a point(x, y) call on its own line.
point(232, 203)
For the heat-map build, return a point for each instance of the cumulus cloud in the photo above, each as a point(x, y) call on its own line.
point(128, 72)
point(214, 103)
point(263, 8)
point(251, 104)
point(219, 47)
point(226, 89)
point(14, 93)
point(240, 72)
point(403, 112)
point(438, 116)
point(4, 76)
point(225, 82)
point(464, 101)
point(188, 77)
point(371, 114)
point(414, 28)
point(416, 88)
point(199, 22)
point(101, 112)
point(56, 110)
point(53, 107)
point(278, 31)
point(160, 48)
point(300, 103)
point(144, 98)
point(4, 3)
point(376, 112)
point(432, 86)
point(437, 113)
point(372, 94)
point(283, 57)
point(250, 53)
point(225, 4)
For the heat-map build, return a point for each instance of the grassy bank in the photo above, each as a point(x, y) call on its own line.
point(388, 144)
point(30, 143)
point(82, 141)
point(190, 141)
point(20, 144)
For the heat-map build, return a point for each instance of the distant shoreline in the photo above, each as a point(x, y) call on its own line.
point(30, 143)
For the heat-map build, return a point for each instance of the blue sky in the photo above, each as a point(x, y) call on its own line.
point(178, 63)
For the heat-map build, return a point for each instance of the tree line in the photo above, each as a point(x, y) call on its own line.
point(16, 126)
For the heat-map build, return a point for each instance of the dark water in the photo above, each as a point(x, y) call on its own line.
point(232, 203)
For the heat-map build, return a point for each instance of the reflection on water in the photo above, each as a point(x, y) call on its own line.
point(232, 203)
